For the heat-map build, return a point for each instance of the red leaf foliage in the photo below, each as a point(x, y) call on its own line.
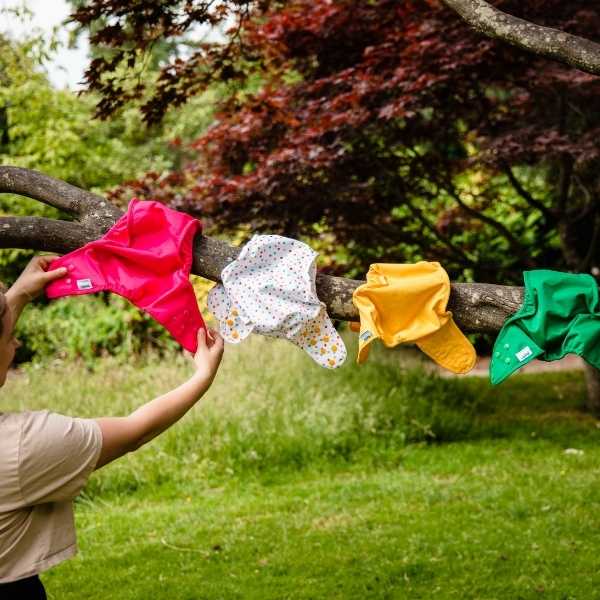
point(389, 102)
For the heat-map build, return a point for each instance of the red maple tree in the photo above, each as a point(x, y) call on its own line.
point(390, 126)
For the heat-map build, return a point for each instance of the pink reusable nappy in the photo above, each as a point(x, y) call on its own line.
point(146, 257)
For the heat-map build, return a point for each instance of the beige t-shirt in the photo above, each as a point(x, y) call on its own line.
point(45, 460)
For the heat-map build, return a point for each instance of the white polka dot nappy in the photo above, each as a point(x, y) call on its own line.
point(270, 289)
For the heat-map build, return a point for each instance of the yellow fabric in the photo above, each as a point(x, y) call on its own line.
point(406, 303)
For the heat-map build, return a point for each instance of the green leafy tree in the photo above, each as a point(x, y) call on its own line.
point(53, 131)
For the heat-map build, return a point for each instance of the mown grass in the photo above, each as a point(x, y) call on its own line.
point(289, 481)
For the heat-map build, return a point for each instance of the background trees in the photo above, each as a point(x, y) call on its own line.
point(388, 129)
point(53, 131)
point(380, 130)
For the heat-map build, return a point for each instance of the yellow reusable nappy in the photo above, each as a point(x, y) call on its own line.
point(404, 303)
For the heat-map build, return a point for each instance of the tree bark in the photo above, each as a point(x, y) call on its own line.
point(92, 211)
point(564, 47)
point(592, 382)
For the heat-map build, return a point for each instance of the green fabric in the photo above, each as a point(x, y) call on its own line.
point(560, 315)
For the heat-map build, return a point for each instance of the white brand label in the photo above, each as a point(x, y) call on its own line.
point(84, 284)
point(524, 353)
point(365, 335)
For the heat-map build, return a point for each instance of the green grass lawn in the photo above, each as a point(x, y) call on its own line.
point(289, 481)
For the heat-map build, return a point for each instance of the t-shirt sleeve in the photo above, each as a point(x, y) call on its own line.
point(56, 456)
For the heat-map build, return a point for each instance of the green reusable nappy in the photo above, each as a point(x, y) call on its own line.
point(560, 315)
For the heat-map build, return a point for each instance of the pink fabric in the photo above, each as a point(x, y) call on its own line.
point(146, 257)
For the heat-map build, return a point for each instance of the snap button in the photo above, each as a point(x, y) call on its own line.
point(497, 354)
point(68, 280)
point(506, 346)
point(507, 360)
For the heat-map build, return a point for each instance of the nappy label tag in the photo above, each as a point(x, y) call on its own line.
point(84, 284)
point(365, 335)
point(524, 353)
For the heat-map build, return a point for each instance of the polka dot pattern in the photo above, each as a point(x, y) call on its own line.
point(270, 289)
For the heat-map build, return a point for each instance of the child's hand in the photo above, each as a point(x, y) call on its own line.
point(209, 353)
point(34, 277)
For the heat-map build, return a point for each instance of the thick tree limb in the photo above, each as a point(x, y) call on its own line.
point(39, 233)
point(92, 210)
point(477, 307)
point(552, 43)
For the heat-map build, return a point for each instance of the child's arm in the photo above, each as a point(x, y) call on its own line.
point(126, 434)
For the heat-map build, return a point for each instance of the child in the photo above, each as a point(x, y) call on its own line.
point(46, 458)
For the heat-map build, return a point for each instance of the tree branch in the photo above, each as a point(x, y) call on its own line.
point(418, 213)
point(515, 245)
point(477, 307)
point(91, 210)
point(39, 233)
point(552, 43)
point(548, 216)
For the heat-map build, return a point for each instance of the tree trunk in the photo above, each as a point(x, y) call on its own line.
point(592, 381)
